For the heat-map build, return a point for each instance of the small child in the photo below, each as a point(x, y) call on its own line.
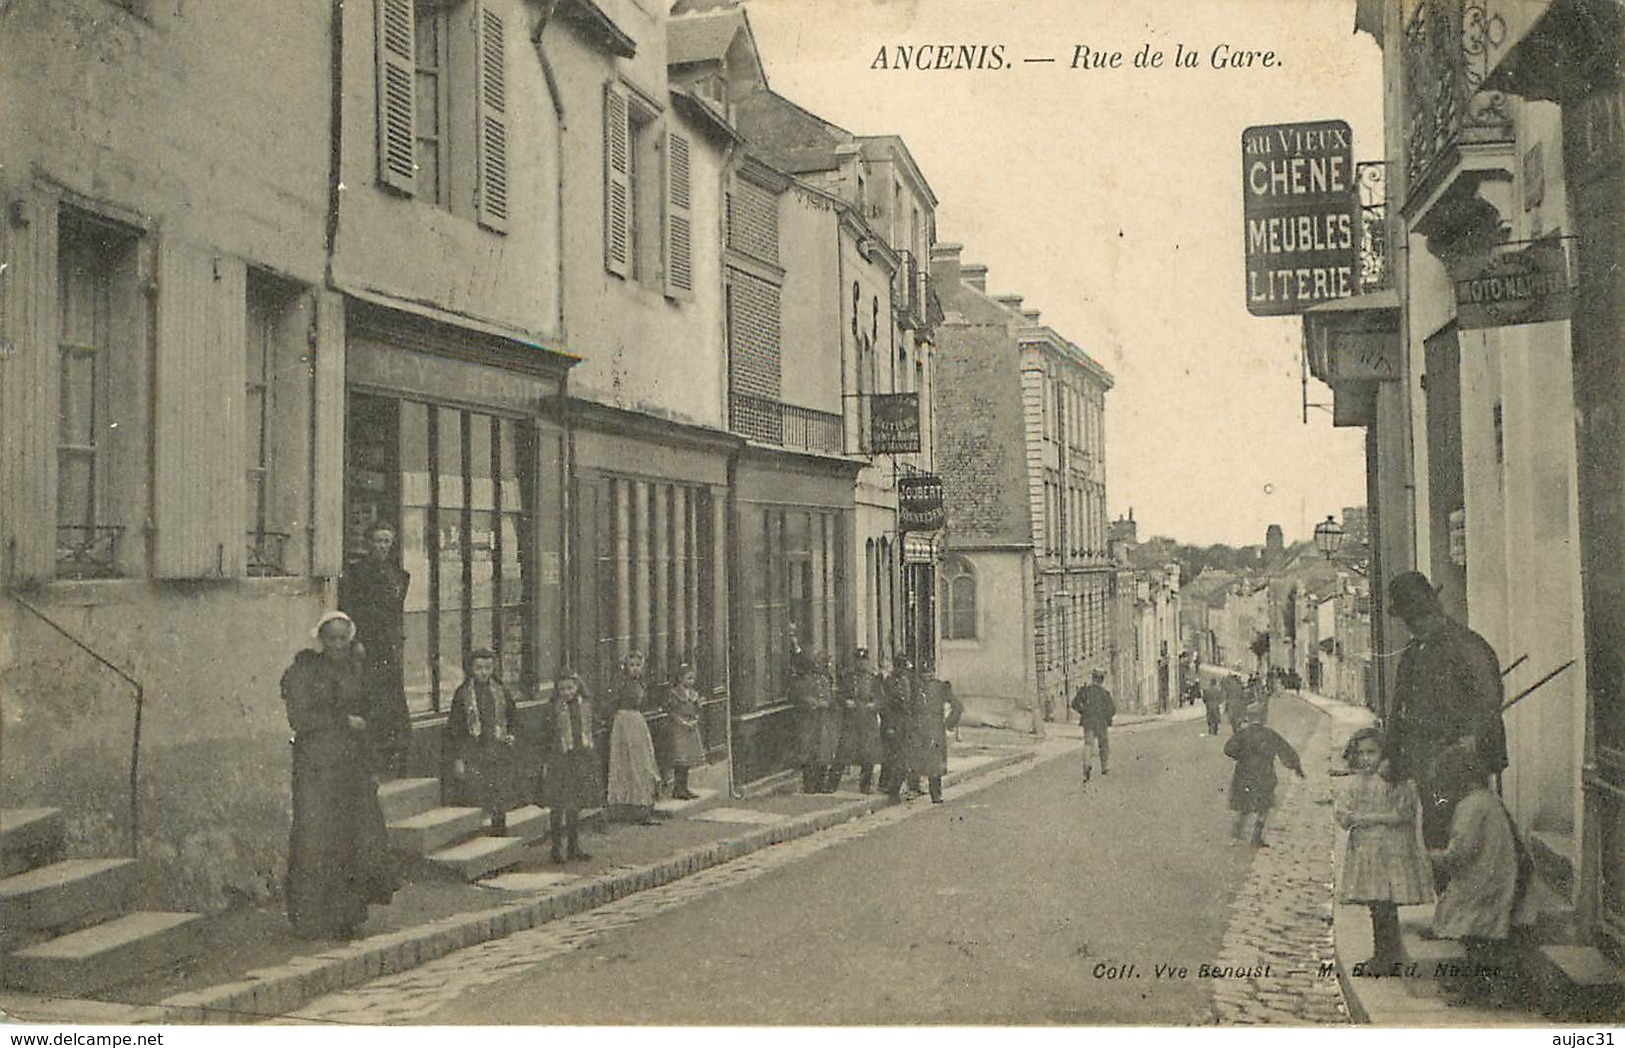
point(1254, 747)
point(479, 741)
point(687, 744)
point(1488, 875)
point(1384, 864)
point(570, 776)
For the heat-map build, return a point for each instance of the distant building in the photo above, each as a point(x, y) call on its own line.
point(1027, 582)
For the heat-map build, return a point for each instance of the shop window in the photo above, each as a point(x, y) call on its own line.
point(654, 569)
point(101, 416)
point(959, 587)
point(458, 486)
point(798, 552)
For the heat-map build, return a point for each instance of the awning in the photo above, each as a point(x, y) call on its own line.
point(1573, 49)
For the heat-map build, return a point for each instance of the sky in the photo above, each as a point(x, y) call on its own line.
point(1111, 198)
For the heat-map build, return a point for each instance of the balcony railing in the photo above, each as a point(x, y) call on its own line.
point(1375, 271)
point(267, 553)
point(1447, 57)
point(87, 551)
point(908, 295)
point(786, 425)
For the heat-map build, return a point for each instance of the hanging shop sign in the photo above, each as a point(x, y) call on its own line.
point(1522, 287)
point(894, 423)
point(919, 503)
point(919, 548)
point(1301, 215)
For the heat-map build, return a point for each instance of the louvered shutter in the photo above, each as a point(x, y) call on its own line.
point(396, 92)
point(492, 198)
point(679, 213)
point(617, 182)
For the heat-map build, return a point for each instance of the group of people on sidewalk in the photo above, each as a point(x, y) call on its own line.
point(896, 718)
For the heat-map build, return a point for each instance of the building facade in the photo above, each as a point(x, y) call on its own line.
point(1488, 467)
point(1026, 583)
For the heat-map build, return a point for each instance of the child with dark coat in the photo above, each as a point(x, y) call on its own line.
point(570, 772)
point(478, 742)
point(1255, 748)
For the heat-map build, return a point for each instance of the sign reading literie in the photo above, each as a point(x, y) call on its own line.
point(1302, 215)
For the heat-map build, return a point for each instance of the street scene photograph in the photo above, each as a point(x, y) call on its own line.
point(851, 517)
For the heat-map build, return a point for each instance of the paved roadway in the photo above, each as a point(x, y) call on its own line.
point(1028, 898)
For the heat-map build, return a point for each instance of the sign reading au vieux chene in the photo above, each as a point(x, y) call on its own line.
point(1302, 236)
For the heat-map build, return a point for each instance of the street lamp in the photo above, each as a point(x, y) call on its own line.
point(1329, 537)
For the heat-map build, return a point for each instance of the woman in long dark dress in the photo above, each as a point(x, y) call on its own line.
point(570, 779)
point(338, 851)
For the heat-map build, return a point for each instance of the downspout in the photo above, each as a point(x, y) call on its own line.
point(557, 99)
point(335, 155)
point(733, 564)
point(566, 536)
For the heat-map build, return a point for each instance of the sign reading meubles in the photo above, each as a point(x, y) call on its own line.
point(1302, 236)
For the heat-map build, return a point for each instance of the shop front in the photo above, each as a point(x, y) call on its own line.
point(792, 525)
point(444, 444)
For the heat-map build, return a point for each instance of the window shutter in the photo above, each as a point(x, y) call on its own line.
point(617, 181)
point(397, 88)
point(492, 198)
point(679, 218)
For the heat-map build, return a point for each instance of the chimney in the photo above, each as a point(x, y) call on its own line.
point(945, 267)
point(1031, 315)
point(975, 275)
point(1010, 302)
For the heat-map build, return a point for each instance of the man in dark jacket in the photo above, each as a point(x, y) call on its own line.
point(1447, 698)
point(372, 592)
point(1095, 709)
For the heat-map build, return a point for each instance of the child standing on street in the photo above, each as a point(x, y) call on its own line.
point(1254, 747)
point(1384, 864)
point(687, 745)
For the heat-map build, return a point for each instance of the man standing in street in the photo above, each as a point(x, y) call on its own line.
point(1214, 701)
point(1095, 709)
point(1447, 699)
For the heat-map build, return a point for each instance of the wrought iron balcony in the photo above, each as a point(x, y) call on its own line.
point(908, 293)
point(87, 551)
point(267, 553)
point(1376, 272)
point(1447, 57)
point(786, 425)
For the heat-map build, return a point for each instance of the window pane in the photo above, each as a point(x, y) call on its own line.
point(415, 653)
point(77, 399)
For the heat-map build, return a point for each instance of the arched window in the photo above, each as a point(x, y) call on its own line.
point(959, 592)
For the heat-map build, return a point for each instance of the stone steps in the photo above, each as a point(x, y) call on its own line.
point(404, 798)
point(1578, 983)
point(30, 837)
point(476, 857)
point(84, 961)
point(433, 829)
point(64, 892)
point(529, 823)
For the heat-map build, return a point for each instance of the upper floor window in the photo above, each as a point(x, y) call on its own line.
point(648, 196)
point(959, 589)
point(442, 100)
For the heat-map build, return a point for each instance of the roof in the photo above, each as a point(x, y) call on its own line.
point(701, 37)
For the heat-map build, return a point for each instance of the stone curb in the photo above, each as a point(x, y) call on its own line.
point(274, 992)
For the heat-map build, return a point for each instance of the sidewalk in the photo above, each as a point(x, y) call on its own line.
point(1413, 999)
point(251, 966)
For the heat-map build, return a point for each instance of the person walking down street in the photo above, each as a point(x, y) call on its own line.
point(860, 721)
point(1384, 864)
point(1447, 699)
point(1235, 703)
point(936, 713)
point(687, 744)
point(1095, 709)
point(897, 703)
point(570, 779)
point(338, 849)
point(634, 775)
point(1213, 699)
point(372, 591)
point(1255, 749)
point(477, 743)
